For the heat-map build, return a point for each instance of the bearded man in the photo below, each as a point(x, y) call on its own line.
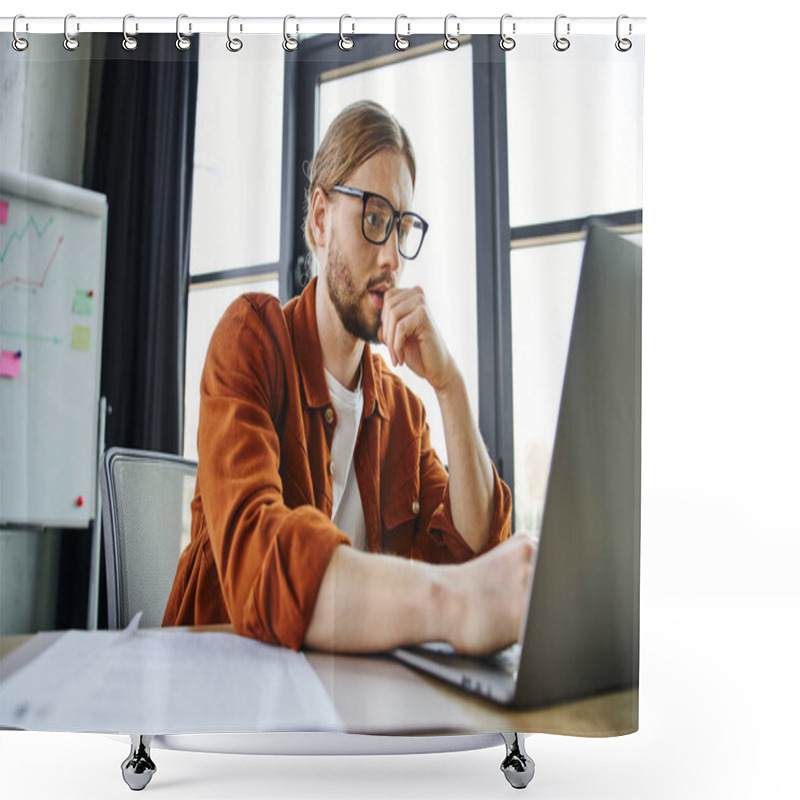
point(322, 516)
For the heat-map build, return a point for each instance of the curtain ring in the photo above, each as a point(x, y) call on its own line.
point(182, 43)
point(233, 45)
point(450, 42)
point(506, 42)
point(19, 44)
point(128, 42)
point(561, 43)
point(70, 42)
point(623, 45)
point(345, 42)
point(400, 42)
point(289, 43)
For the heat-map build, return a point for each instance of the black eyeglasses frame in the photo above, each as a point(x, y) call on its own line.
point(397, 217)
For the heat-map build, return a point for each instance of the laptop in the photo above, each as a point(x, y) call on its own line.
point(579, 634)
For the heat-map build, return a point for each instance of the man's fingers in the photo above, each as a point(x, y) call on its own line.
point(409, 325)
point(397, 305)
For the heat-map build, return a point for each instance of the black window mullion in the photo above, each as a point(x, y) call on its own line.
point(577, 225)
point(492, 232)
point(236, 273)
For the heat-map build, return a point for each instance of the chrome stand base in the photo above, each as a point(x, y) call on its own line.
point(138, 768)
point(517, 766)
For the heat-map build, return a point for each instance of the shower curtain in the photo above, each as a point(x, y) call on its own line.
point(144, 191)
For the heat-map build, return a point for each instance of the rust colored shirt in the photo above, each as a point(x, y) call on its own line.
point(262, 535)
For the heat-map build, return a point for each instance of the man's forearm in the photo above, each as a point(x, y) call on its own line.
point(369, 602)
point(470, 469)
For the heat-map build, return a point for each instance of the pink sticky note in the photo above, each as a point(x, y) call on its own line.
point(9, 364)
point(3, 212)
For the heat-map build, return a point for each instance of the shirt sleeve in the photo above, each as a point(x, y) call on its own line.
point(438, 541)
point(270, 559)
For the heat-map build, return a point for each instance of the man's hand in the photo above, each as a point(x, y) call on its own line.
point(488, 596)
point(408, 330)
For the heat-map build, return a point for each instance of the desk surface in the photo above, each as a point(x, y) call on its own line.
point(375, 694)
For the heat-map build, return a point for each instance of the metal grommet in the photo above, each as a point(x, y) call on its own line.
point(233, 45)
point(623, 45)
point(561, 43)
point(19, 44)
point(400, 42)
point(128, 42)
point(451, 42)
point(506, 42)
point(289, 43)
point(70, 42)
point(182, 43)
point(329, 415)
point(345, 42)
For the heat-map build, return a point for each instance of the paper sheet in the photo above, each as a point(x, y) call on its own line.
point(165, 681)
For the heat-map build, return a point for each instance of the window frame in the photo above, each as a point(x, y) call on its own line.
point(304, 68)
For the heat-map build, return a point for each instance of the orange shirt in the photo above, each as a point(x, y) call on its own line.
point(262, 534)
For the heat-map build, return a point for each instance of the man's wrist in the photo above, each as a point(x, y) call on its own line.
point(453, 381)
point(443, 603)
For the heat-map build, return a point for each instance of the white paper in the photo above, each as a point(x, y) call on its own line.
point(166, 681)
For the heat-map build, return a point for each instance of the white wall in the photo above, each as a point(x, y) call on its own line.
point(43, 117)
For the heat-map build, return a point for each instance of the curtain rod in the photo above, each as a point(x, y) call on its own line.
point(299, 25)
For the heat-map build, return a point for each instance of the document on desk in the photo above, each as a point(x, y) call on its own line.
point(165, 681)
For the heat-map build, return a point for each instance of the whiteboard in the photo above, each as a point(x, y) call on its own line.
point(52, 276)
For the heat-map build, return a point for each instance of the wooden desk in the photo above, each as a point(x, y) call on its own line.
point(377, 695)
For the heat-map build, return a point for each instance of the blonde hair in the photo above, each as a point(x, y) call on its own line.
point(359, 132)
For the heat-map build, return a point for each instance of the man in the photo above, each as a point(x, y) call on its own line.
point(322, 516)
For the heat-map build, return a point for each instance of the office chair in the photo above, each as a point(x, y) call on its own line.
point(146, 519)
point(146, 522)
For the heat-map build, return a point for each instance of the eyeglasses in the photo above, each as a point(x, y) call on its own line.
point(379, 217)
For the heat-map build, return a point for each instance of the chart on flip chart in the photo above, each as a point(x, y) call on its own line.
point(52, 275)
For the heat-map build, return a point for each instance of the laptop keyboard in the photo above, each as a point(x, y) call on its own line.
point(508, 659)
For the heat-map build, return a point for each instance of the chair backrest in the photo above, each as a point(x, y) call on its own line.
point(146, 524)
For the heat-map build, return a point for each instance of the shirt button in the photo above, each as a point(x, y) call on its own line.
point(415, 506)
point(329, 415)
point(330, 468)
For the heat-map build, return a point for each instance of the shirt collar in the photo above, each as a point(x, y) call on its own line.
point(308, 353)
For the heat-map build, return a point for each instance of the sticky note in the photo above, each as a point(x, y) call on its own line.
point(3, 212)
point(81, 337)
point(9, 364)
point(82, 303)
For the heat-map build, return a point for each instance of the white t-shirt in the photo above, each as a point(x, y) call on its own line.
point(348, 514)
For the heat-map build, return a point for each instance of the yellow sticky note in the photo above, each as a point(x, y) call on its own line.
point(81, 337)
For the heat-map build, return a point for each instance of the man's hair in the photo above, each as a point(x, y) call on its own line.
point(359, 132)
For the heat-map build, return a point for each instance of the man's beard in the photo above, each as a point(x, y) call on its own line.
point(348, 301)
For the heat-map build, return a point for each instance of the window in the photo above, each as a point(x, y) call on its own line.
point(515, 151)
point(574, 147)
point(237, 194)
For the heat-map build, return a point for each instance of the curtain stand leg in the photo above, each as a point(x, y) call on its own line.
point(517, 766)
point(138, 768)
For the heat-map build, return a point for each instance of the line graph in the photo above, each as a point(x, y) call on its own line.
point(18, 237)
point(26, 281)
